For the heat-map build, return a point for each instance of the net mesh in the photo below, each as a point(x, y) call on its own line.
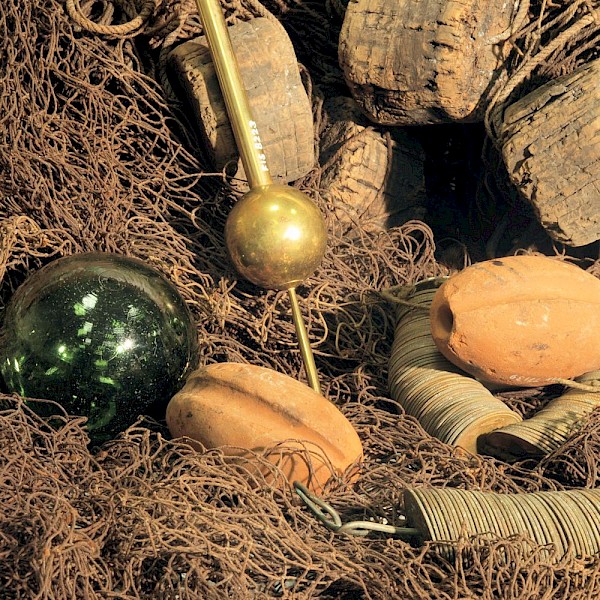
point(96, 154)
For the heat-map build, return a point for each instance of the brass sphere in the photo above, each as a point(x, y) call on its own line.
point(276, 236)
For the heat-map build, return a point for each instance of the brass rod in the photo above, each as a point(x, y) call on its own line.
point(243, 125)
point(304, 343)
point(248, 141)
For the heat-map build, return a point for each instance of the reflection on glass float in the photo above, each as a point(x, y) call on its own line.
point(104, 335)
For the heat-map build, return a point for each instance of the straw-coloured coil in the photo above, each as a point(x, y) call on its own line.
point(565, 521)
point(549, 428)
point(449, 404)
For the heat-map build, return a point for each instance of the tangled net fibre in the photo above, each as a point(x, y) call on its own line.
point(95, 155)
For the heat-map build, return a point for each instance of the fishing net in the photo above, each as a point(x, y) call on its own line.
point(98, 154)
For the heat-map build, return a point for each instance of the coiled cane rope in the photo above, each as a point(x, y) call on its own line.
point(449, 404)
point(548, 429)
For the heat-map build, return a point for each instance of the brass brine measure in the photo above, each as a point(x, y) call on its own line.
point(275, 234)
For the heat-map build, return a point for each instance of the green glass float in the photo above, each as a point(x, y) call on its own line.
point(105, 336)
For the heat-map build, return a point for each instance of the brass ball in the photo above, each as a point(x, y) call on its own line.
point(276, 236)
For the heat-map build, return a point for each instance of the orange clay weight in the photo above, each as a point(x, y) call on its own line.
point(240, 407)
point(520, 320)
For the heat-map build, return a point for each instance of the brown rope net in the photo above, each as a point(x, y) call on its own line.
point(96, 155)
